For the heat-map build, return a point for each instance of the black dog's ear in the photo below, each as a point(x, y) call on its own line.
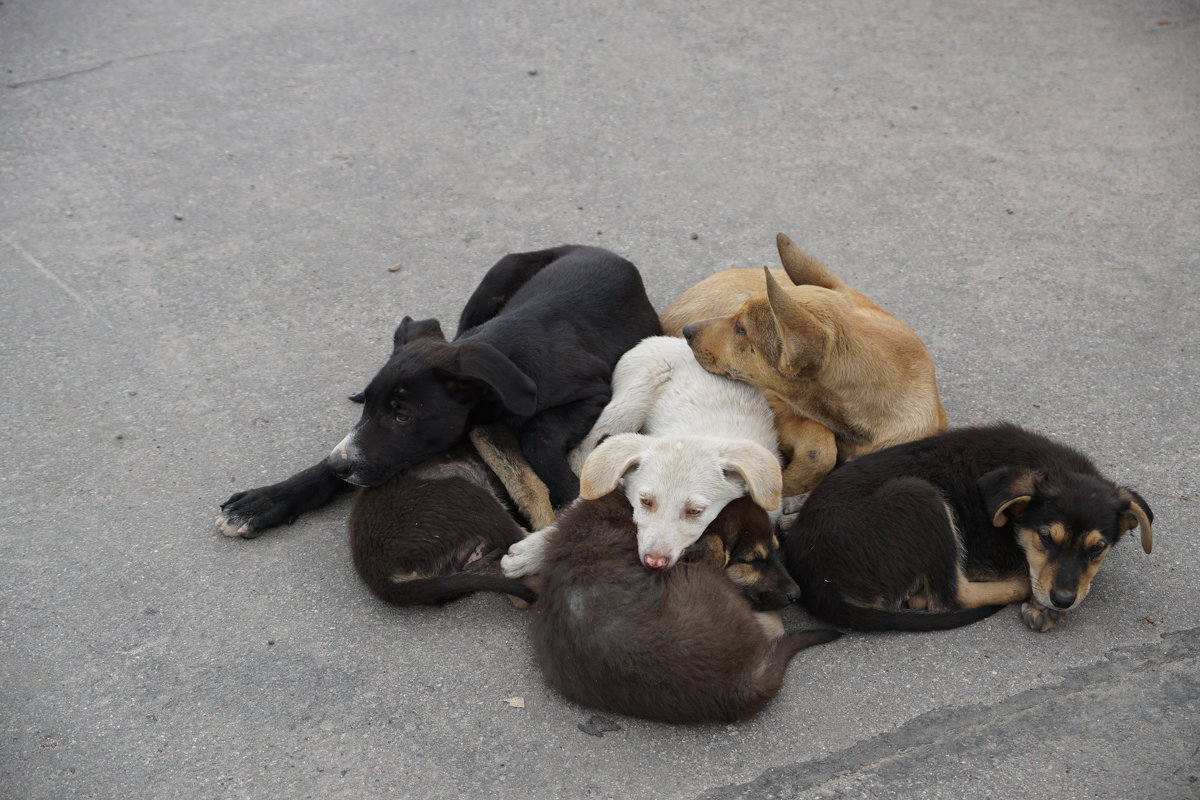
point(361, 397)
point(1006, 493)
point(410, 329)
point(1135, 514)
point(482, 363)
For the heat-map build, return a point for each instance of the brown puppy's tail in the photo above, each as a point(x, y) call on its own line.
point(444, 588)
point(871, 619)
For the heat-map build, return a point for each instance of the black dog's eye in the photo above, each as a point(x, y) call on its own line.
point(402, 418)
point(1046, 540)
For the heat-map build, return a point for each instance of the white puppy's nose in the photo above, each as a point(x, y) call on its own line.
point(656, 562)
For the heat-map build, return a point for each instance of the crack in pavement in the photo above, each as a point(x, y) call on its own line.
point(941, 739)
point(108, 63)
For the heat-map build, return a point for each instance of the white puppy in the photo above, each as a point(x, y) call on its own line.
point(710, 439)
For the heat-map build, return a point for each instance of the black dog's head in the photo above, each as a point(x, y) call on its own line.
point(1066, 524)
point(742, 541)
point(424, 400)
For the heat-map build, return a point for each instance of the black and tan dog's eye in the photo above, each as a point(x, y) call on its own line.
point(1096, 550)
point(1047, 541)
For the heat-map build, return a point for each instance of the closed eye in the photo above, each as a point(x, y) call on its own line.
point(738, 329)
point(1047, 542)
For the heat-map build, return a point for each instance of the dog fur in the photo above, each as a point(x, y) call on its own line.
point(843, 376)
point(436, 531)
point(679, 645)
point(676, 485)
point(941, 532)
point(535, 349)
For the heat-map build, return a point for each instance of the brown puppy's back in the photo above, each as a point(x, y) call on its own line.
point(676, 646)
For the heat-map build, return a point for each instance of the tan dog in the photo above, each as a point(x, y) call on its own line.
point(843, 376)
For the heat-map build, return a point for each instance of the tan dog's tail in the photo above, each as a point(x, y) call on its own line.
point(803, 269)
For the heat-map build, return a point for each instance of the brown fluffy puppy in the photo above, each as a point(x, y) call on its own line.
point(678, 645)
point(843, 376)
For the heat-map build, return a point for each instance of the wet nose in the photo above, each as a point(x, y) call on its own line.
point(1062, 599)
point(689, 331)
point(656, 562)
point(338, 462)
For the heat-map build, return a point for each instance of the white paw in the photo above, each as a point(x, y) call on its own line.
point(524, 558)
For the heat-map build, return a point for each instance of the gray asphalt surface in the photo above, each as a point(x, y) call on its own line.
point(200, 206)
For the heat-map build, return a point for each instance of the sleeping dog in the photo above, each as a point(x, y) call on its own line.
point(679, 645)
point(708, 440)
point(944, 531)
point(535, 349)
point(843, 376)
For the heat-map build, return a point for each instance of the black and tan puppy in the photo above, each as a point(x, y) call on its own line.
point(677, 645)
point(535, 349)
point(946, 530)
point(436, 531)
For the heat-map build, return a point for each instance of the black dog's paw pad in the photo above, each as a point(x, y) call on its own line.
point(598, 726)
point(1039, 618)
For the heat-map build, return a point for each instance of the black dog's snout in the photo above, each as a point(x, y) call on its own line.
point(338, 464)
point(689, 331)
point(1062, 599)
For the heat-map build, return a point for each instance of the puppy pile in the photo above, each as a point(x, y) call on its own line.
point(651, 471)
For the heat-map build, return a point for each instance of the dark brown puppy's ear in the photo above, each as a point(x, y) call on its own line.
point(1136, 514)
point(481, 363)
point(802, 338)
point(1006, 493)
point(409, 330)
point(802, 268)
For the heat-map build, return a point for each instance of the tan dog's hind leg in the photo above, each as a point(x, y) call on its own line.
point(498, 447)
point(809, 447)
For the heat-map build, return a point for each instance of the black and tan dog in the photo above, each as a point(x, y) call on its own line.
point(843, 376)
point(436, 531)
point(535, 349)
point(676, 645)
point(944, 531)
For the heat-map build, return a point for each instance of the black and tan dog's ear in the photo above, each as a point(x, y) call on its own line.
point(1136, 514)
point(478, 362)
point(802, 337)
point(608, 463)
point(410, 329)
point(1006, 493)
point(803, 269)
point(757, 469)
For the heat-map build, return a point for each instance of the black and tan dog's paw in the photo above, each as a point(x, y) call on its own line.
point(1039, 618)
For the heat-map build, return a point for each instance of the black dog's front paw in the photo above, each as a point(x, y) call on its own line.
point(247, 514)
point(1039, 618)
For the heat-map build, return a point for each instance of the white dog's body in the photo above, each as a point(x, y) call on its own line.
point(708, 440)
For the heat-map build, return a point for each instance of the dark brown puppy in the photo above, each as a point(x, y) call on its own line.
point(436, 532)
point(677, 645)
point(741, 541)
point(941, 532)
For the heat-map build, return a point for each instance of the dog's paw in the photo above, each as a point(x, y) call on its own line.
point(1039, 618)
point(524, 558)
point(247, 514)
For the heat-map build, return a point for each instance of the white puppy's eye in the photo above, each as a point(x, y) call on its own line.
point(647, 503)
point(694, 511)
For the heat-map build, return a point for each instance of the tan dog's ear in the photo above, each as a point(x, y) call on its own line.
point(1137, 515)
point(605, 466)
point(802, 337)
point(757, 468)
point(802, 268)
point(1007, 492)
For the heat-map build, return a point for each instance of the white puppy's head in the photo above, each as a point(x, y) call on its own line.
point(677, 485)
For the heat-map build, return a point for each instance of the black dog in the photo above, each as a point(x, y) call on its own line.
point(961, 524)
point(677, 645)
point(535, 349)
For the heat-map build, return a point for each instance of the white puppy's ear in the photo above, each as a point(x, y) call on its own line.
point(605, 466)
point(757, 469)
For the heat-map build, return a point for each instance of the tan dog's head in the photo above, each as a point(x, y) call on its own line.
point(1066, 525)
point(678, 485)
point(784, 333)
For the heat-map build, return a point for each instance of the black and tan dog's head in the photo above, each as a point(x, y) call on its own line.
point(1066, 524)
point(742, 541)
point(423, 401)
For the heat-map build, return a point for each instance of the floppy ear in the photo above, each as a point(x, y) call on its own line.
point(608, 463)
point(361, 397)
point(1006, 493)
point(410, 329)
point(1137, 514)
point(803, 268)
point(482, 363)
point(801, 337)
point(757, 469)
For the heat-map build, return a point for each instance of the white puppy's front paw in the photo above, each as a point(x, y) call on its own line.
point(525, 557)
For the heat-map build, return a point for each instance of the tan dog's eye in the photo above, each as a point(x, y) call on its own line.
point(738, 329)
point(647, 503)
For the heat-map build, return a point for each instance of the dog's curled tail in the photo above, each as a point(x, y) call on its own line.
point(443, 589)
point(871, 619)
